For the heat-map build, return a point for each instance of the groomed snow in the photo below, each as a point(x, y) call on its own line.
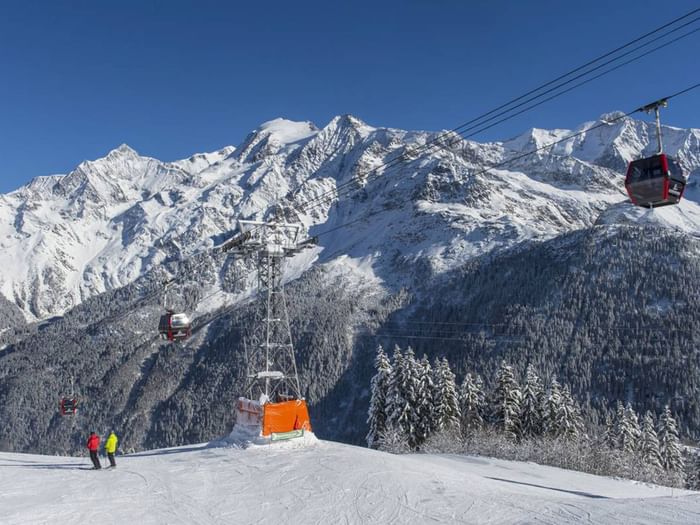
point(321, 482)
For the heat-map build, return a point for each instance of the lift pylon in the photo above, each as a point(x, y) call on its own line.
point(274, 393)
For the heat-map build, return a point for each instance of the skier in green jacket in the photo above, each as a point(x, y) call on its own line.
point(111, 448)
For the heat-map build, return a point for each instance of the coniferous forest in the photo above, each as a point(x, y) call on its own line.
point(611, 312)
point(418, 407)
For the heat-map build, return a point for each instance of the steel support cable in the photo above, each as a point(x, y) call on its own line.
point(579, 133)
point(589, 63)
point(584, 74)
point(458, 339)
point(349, 187)
point(421, 327)
point(342, 190)
point(436, 142)
point(392, 330)
point(556, 95)
point(533, 152)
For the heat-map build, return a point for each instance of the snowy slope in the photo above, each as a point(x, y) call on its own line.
point(321, 482)
point(65, 238)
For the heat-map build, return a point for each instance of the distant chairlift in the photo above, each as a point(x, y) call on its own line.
point(69, 405)
point(173, 326)
point(657, 180)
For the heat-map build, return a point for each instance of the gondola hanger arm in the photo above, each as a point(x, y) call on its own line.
point(661, 103)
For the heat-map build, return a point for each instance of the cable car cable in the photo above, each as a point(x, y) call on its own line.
point(342, 189)
point(526, 154)
point(573, 135)
point(634, 59)
point(589, 63)
point(343, 193)
point(582, 75)
point(336, 192)
point(436, 141)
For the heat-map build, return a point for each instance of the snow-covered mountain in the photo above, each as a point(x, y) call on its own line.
point(65, 238)
point(323, 482)
point(539, 261)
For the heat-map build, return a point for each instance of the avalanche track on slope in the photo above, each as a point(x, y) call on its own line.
point(321, 482)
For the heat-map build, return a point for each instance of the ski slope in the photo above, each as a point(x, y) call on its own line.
point(321, 482)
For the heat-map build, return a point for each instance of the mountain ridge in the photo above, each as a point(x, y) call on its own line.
point(396, 240)
point(121, 211)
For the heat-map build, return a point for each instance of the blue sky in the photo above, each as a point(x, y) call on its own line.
point(171, 78)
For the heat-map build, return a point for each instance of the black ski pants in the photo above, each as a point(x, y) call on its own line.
point(95, 459)
point(112, 463)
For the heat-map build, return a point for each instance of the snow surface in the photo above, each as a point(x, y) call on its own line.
point(315, 481)
point(683, 217)
point(288, 131)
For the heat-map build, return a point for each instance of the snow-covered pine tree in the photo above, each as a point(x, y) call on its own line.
point(414, 368)
point(393, 440)
point(437, 406)
point(532, 416)
point(649, 443)
point(552, 408)
point(669, 442)
point(446, 399)
point(629, 430)
point(472, 402)
point(570, 422)
point(425, 403)
point(610, 435)
point(693, 472)
point(506, 402)
point(377, 414)
point(395, 402)
point(619, 422)
point(403, 387)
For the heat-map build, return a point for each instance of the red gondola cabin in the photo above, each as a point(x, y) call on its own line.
point(174, 327)
point(69, 406)
point(655, 181)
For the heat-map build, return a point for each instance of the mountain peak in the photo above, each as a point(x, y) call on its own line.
point(274, 136)
point(350, 121)
point(123, 150)
point(536, 138)
point(612, 116)
point(288, 131)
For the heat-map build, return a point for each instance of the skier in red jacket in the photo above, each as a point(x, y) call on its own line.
point(93, 445)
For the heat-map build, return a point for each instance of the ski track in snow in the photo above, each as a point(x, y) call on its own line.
point(322, 483)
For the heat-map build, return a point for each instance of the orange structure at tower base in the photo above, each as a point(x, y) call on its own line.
point(285, 416)
point(275, 417)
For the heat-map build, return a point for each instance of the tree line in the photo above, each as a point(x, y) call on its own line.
point(416, 405)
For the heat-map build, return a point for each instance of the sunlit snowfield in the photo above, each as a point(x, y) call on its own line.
point(321, 482)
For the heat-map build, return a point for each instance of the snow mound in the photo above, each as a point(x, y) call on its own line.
point(248, 436)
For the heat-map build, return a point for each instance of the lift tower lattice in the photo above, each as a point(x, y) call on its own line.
point(272, 369)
